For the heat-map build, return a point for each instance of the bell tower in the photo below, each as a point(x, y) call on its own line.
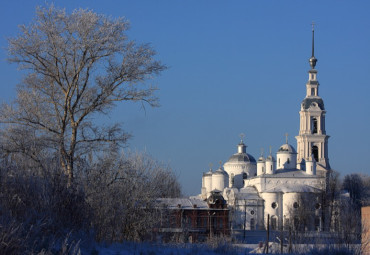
point(312, 139)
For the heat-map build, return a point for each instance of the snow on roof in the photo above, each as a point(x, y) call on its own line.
point(293, 188)
point(183, 203)
point(247, 193)
point(247, 196)
point(297, 173)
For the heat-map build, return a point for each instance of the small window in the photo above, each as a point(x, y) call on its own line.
point(274, 222)
point(245, 176)
point(288, 161)
point(252, 212)
point(252, 223)
point(317, 206)
point(295, 205)
point(274, 205)
point(312, 92)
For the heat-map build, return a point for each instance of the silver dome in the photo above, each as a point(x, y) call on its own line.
point(287, 148)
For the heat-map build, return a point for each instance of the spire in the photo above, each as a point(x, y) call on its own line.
point(313, 60)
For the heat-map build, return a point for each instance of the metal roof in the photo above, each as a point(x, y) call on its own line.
point(306, 103)
point(242, 157)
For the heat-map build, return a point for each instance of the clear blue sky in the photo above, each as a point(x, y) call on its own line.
point(235, 66)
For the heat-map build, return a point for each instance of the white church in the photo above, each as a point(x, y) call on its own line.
point(278, 186)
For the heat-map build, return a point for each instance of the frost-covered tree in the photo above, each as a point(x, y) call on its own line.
point(77, 65)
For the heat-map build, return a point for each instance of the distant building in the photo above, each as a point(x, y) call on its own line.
point(283, 187)
point(191, 219)
point(365, 238)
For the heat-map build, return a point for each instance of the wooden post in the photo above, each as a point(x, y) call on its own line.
point(290, 240)
point(282, 241)
point(245, 218)
point(268, 233)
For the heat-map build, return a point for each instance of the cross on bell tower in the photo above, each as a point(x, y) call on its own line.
point(312, 138)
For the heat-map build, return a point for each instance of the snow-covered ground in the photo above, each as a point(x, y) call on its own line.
point(168, 249)
point(202, 249)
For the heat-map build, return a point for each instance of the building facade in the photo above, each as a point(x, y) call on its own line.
point(365, 237)
point(191, 219)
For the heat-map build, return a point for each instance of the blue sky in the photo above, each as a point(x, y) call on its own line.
point(234, 66)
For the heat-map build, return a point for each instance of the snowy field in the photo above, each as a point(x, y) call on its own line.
point(170, 249)
point(202, 249)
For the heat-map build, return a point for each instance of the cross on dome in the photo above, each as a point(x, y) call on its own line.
point(242, 136)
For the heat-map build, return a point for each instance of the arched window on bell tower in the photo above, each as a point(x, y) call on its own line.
point(313, 92)
point(314, 126)
point(315, 152)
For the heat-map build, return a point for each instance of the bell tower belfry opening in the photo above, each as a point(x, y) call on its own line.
point(312, 138)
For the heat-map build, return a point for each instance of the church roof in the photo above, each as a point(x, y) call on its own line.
point(209, 173)
point(270, 158)
point(261, 159)
point(287, 148)
point(242, 157)
point(220, 171)
point(183, 203)
point(288, 173)
point(293, 188)
point(306, 103)
point(247, 193)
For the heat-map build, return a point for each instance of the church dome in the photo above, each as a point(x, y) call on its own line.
point(270, 158)
point(220, 171)
point(241, 157)
point(261, 159)
point(287, 148)
point(209, 173)
point(239, 165)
